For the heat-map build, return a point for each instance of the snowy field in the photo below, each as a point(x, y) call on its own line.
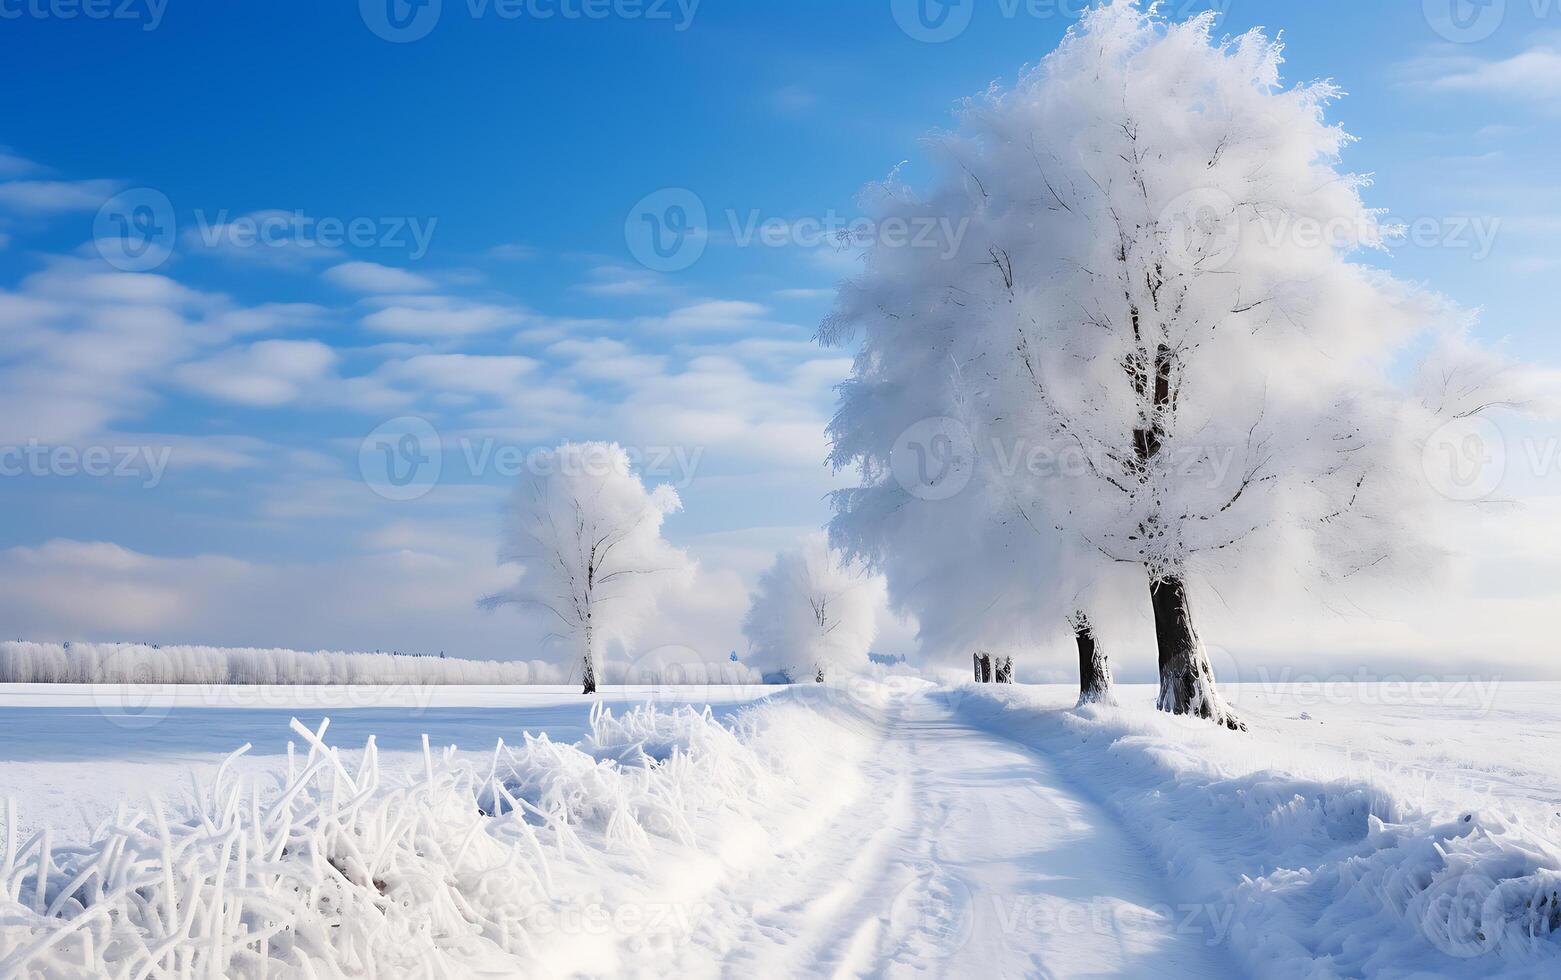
point(1357, 830)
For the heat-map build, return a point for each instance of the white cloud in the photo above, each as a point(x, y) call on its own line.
point(56, 196)
point(618, 280)
point(1533, 75)
point(46, 586)
point(439, 316)
point(709, 315)
point(268, 318)
point(715, 405)
point(492, 375)
point(602, 359)
point(265, 374)
point(371, 277)
point(774, 353)
point(470, 393)
point(82, 347)
point(86, 281)
point(14, 165)
point(403, 599)
point(222, 453)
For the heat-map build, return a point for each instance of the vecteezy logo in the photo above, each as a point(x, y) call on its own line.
point(401, 459)
point(127, 691)
point(400, 21)
point(667, 231)
point(933, 459)
point(135, 230)
point(1465, 459)
point(932, 21)
point(1465, 21)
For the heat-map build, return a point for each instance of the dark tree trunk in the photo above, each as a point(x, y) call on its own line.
point(1004, 674)
point(1186, 676)
point(588, 669)
point(1094, 666)
point(983, 668)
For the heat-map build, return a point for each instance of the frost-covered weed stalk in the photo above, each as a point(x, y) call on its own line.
point(814, 614)
point(1150, 350)
point(348, 870)
point(587, 535)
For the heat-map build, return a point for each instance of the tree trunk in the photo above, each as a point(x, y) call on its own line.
point(1094, 666)
point(1005, 671)
point(1186, 676)
point(983, 668)
point(589, 663)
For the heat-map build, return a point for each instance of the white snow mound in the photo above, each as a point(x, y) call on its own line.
point(542, 858)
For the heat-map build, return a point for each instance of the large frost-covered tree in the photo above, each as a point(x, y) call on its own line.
point(1147, 342)
point(814, 613)
point(587, 535)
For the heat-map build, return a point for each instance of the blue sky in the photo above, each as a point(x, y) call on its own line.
point(519, 148)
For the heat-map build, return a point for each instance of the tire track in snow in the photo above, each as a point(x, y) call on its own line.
point(966, 855)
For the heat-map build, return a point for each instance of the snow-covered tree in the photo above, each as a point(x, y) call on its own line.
point(1148, 345)
point(977, 572)
point(587, 535)
point(814, 614)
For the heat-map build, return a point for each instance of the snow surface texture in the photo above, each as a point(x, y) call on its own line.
point(889, 830)
point(527, 862)
point(1314, 870)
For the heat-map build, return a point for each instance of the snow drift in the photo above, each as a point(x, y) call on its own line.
point(1320, 875)
point(526, 860)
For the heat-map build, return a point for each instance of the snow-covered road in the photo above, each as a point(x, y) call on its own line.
point(881, 829)
point(967, 855)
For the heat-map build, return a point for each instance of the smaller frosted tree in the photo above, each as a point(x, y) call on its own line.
point(814, 614)
point(587, 535)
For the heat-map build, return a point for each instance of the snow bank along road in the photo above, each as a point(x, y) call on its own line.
point(822, 832)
